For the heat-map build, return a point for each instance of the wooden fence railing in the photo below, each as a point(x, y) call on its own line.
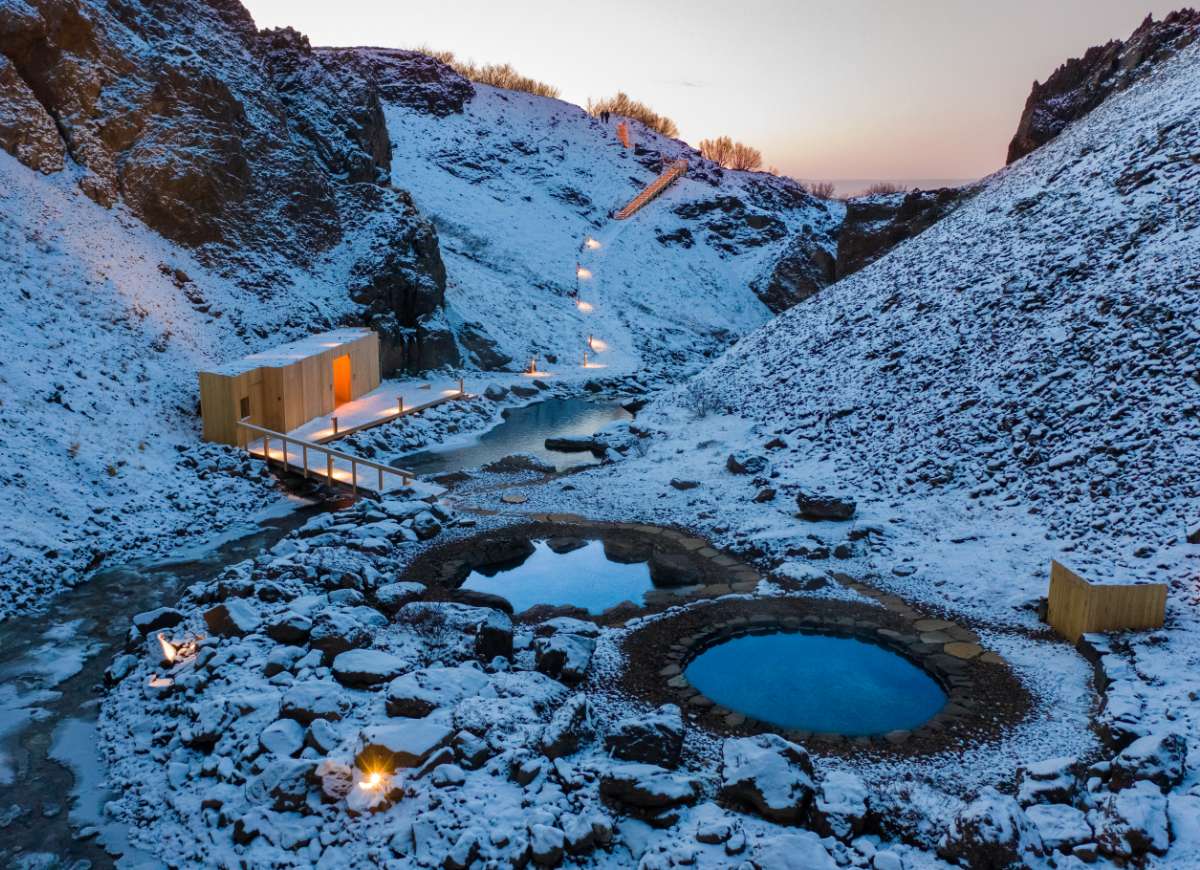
point(330, 471)
point(653, 189)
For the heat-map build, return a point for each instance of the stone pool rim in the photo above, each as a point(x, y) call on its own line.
point(445, 566)
point(970, 714)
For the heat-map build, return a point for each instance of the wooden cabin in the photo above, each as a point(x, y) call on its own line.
point(1076, 607)
point(287, 386)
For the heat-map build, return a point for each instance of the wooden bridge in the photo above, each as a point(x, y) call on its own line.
point(657, 186)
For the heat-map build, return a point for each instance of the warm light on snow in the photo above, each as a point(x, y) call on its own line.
point(583, 273)
point(593, 244)
point(373, 781)
point(583, 306)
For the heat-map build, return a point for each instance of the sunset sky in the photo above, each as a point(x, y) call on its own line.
point(827, 89)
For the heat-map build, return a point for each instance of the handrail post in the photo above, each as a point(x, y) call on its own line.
point(267, 448)
point(329, 467)
point(381, 480)
point(304, 456)
point(354, 477)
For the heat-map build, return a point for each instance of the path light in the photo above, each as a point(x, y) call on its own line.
point(583, 273)
point(583, 306)
point(598, 345)
point(373, 781)
point(177, 653)
point(592, 243)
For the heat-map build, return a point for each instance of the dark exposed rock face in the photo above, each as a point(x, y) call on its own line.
point(1082, 83)
point(876, 224)
point(805, 268)
point(251, 147)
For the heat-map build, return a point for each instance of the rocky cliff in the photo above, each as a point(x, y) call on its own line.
point(259, 153)
point(876, 224)
point(1082, 83)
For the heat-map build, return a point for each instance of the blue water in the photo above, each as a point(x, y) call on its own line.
point(524, 430)
point(581, 578)
point(816, 682)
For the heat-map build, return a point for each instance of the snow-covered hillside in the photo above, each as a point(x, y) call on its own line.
point(515, 185)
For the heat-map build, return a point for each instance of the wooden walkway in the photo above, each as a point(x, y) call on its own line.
point(653, 189)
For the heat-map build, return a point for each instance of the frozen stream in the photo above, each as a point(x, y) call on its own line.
point(52, 791)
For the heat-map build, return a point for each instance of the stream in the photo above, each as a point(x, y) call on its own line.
point(52, 778)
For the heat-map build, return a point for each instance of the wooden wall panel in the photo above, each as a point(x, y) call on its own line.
point(1076, 607)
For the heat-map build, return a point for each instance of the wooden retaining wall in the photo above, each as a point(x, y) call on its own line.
point(1077, 607)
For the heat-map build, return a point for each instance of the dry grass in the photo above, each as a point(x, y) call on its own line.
point(627, 107)
point(498, 75)
point(883, 187)
point(730, 154)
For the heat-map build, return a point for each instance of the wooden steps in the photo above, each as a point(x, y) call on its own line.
point(657, 186)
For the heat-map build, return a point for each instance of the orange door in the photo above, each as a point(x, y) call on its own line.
point(341, 380)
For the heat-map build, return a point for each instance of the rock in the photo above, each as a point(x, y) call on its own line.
point(546, 845)
point(489, 631)
point(392, 596)
point(669, 570)
point(281, 659)
point(282, 737)
point(745, 462)
point(568, 728)
point(27, 131)
point(646, 786)
point(324, 736)
point(525, 392)
point(574, 444)
point(1160, 758)
point(715, 832)
point(1052, 781)
point(684, 484)
point(426, 526)
point(1193, 536)
point(769, 774)
point(418, 693)
point(335, 778)
point(477, 598)
point(565, 657)
point(157, 619)
point(482, 350)
point(284, 783)
point(336, 631)
point(805, 268)
point(1081, 84)
point(290, 628)
point(823, 507)
point(873, 225)
point(495, 392)
point(520, 462)
point(1132, 822)
point(841, 806)
point(794, 851)
point(234, 618)
point(471, 749)
point(388, 747)
point(366, 667)
point(991, 831)
point(464, 852)
point(206, 724)
point(1060, 826)
point(764, 495)
point(305, 702)
point(653, 738)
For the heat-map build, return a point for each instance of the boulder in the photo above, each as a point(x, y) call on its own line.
point(27, 131)
point(425, 526)
point(520, 462)
point(392, 596)
point(495, 392)
point(336, 631)
point(366, 667)
point(670, 570)
point(335, 778)
point(842, 806)
point(653, 738)
point(305, 702)
point(574, 444)
point(1160, 758)
point(771, 775)
point(290, 628)
point(684, 485)
point(233, 618)
point(420, 692)
point(1060, 826)
point(1053, 781)
point(568, 728)
point(991, 831)
point(388, 747)
point(565, 657)
point(156, 620)
point(284, 784)
point(746, 462)
point(1132, 822)
point(825, 507)
point(282, 737)
point(487, 631)
point(646, 786)
point(546, 845)
point(800, 850)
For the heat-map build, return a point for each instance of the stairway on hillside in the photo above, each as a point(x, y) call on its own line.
point(657, 186)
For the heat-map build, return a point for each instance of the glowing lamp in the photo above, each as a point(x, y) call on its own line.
point(583, 273)
point(592, 243)
point(583, 306)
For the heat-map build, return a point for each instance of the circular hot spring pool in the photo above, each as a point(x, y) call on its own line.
point(816, 682)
